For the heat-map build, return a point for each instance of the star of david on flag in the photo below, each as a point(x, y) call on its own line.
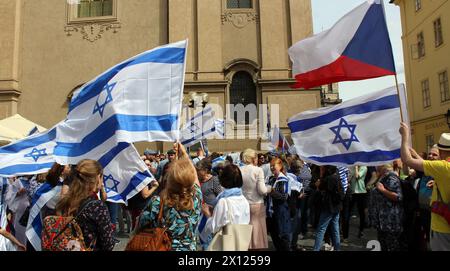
point(110, 183)
point(341, 136)
point(36, 154)
point(361, 131)
point(101, 107)
point(28, 156)
point(201, 126)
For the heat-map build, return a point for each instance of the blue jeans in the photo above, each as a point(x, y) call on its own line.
point(325, 219)
point(113, 211)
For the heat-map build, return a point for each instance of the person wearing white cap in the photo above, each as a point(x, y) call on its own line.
point(440, 170)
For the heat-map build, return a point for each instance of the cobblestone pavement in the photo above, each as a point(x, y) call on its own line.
point(354, 243)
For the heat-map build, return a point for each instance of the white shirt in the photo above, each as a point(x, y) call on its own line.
point(240, 214)
point(267, 172)
point(254, 188)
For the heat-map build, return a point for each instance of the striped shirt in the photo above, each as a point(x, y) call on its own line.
point(343, 176)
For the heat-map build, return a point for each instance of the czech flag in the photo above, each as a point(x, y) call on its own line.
point(357, 47)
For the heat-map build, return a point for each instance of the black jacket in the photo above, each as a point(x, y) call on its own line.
point(332, 194)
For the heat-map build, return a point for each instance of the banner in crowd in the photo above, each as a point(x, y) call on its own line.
point(357, 47)
point(202, 125)
point(279, 142)
point(139, 99)
point(361, 131)
point(31, 155)
point(124, 173)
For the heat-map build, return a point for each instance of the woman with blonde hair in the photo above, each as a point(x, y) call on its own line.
point(254, 190)
point(81, 201)
point(182, 201)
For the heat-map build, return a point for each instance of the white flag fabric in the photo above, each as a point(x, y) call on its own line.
point(279, 142)
point(124, 173)
point(29, 156)
point(202, 125)
point(137, 100)
point(361, 131)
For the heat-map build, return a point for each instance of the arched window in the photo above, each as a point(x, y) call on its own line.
point(243, 91)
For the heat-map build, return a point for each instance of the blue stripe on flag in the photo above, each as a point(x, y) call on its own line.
point(363, 157)
point(384, 103)
point(205, 133)
point(108, 128)
point(110, 155)
point(28, 143)
point(137, 179)
point(46, 187)
point(162, 55)
point(24, 168)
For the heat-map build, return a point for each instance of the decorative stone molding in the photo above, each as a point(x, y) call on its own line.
point(92, 31)
point(240, 19)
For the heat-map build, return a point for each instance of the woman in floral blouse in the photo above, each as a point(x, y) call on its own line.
point(385, 209)
point(182, 199)
point(81, 201)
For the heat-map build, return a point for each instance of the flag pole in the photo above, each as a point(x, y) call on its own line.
point(398, 95)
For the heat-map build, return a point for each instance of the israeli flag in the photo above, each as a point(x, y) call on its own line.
point(29, 156)
point(124, 173)
point(34, 226)
point(139, 99)
point(361, 131)
point(218, 160)
point(199, 127)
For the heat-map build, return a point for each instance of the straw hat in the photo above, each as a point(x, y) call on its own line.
point(444, 142)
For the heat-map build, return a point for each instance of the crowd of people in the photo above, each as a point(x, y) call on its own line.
point(278, 194)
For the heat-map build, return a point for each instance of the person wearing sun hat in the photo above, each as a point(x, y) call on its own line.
point(440, 170)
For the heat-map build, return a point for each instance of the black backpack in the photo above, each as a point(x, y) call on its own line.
point(410, 200)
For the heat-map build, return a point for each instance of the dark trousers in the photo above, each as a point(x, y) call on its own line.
point(346, 214)
point(361, 202)
point(296, 220)
point(425, 228)
point(304, 210)
point(279, 226)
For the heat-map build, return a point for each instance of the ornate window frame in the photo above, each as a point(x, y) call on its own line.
point(91, 28)
point(225, 7)
point(72, 19)
point(239, 17)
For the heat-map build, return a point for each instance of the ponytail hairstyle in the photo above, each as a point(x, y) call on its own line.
point(179, 187)
point(84, 178)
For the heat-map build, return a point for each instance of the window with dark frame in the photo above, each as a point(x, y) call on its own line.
point(421, 45)
point(418, 4)
point(426, 94)
point(443, 86)
point(438, 39)
point(429, 141)
point(94, 8)
point(239, 4)
point(242, 91)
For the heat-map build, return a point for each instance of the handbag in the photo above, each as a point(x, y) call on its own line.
point(441, 208)
point(232, 237)
point(151, 239)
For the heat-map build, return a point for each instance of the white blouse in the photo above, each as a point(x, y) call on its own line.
point(254, 187)
point(240, 214)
